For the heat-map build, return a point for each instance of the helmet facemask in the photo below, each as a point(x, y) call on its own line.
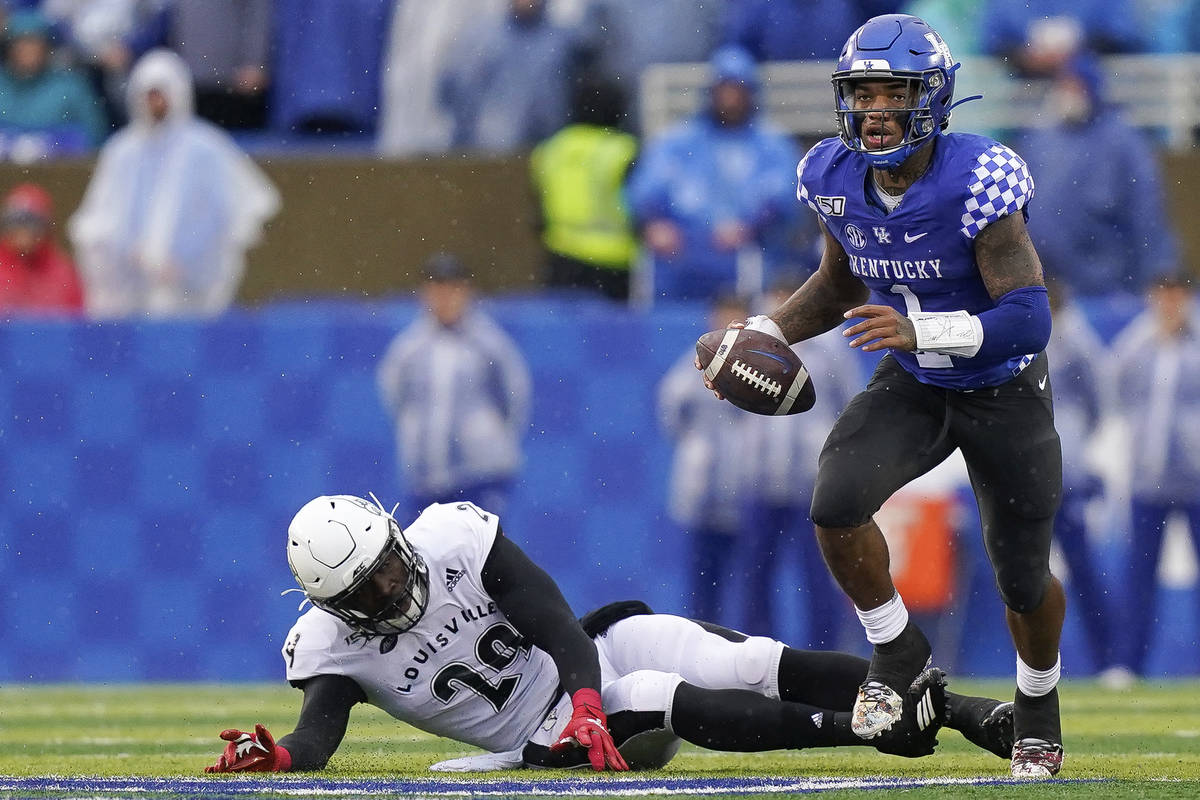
point(915, 117)
point(894, 48)
point(386, 606)
point(351, 559)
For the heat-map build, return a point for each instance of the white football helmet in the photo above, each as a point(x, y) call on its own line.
point(336, 544)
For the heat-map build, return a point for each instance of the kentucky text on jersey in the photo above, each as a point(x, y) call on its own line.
point(972, 181)
point(893, 270)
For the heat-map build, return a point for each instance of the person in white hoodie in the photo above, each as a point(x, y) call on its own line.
point(171, 208)
point(458, 391)
point(1156, 385)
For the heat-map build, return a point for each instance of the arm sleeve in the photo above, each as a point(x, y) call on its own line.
point(323, 719)
point(532, 601)
point(1019, 324)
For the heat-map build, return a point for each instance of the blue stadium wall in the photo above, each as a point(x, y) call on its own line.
point(149, 471)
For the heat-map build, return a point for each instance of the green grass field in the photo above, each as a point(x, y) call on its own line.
point(1140, 743)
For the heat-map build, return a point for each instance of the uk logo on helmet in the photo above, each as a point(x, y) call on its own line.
point(941, 48)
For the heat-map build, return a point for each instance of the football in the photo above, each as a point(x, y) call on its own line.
point(755, 371)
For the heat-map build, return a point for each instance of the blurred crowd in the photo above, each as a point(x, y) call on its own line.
point(692, 211)
point(490, 75)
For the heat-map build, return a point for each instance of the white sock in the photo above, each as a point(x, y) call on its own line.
point(1037, 682)
point(886, 622)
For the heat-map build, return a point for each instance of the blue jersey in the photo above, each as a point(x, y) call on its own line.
point(921, 256)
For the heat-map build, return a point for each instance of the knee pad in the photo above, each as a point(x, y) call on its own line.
point(756, 664)
point(837, 509)
point(643, 690)
point(717, 663)
point(1022, 590)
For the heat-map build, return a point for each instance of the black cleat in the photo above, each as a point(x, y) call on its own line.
point(898, 663)
point(984, 722)
point(924, 713)
point(1037, 728)
point(895, 665)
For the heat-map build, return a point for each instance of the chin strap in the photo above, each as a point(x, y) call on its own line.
point(304, 602)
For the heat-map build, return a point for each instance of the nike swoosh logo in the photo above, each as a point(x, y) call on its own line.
point(1042, 382)
point(780, 359)
point(910, 239)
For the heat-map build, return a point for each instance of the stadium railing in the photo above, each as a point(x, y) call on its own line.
point(1157, 92)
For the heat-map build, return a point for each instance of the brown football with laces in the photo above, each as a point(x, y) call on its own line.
point(756, 371)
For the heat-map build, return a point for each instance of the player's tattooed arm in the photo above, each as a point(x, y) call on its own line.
point(817, 306)
point(1006, 256)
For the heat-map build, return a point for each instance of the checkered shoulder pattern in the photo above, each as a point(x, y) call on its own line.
point(1000, 185)
point(801, 189)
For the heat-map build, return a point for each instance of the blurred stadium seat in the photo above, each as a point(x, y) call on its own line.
point(1157, 92)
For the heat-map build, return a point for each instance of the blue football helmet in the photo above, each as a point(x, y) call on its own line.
point(903, 47)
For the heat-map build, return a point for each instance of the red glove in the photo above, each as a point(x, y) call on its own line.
point(251, 752)
point(588, 728)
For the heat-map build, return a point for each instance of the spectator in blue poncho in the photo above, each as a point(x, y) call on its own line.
point(326, 65)
point(710, 193)
point(1103, 229)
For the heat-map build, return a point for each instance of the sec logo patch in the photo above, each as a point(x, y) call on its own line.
point(854, 235)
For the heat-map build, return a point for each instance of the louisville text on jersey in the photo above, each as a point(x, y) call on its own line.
point(453, 628)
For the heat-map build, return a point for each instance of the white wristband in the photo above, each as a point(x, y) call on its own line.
point(765, 324)
point(954, 333)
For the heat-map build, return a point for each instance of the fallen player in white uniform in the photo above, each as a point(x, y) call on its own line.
point(450, 627)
